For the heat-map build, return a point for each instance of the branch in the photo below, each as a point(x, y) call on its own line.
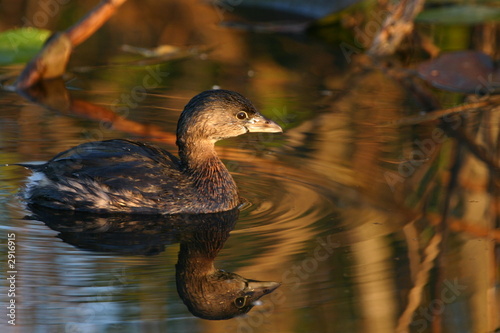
point(51, 61)
point(396, 26)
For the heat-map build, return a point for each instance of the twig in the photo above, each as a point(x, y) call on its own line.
point(93, 21)
point(478, 150)
point(422, 277)
point(474, 230)
point(397, 26)
point(430, 116)
point(51, 61)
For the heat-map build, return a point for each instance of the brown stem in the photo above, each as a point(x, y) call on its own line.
point(82, 30)
point(51, 61)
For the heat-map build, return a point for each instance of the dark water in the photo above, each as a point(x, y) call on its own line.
point(370, 226)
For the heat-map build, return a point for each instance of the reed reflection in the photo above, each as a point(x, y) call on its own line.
point(208, 292)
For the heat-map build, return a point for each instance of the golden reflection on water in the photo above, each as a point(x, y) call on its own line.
point(346, 210)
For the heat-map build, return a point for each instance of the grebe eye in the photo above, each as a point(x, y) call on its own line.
point(241, 115)
point(240, 302)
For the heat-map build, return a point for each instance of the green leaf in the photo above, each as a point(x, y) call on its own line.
point(20, 45)
point(460, 14)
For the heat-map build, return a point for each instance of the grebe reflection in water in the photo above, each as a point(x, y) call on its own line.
point(208, 292)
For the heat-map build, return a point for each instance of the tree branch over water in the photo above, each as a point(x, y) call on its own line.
point(51, 61)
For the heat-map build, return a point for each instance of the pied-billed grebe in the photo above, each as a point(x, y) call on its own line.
point(132, 177)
